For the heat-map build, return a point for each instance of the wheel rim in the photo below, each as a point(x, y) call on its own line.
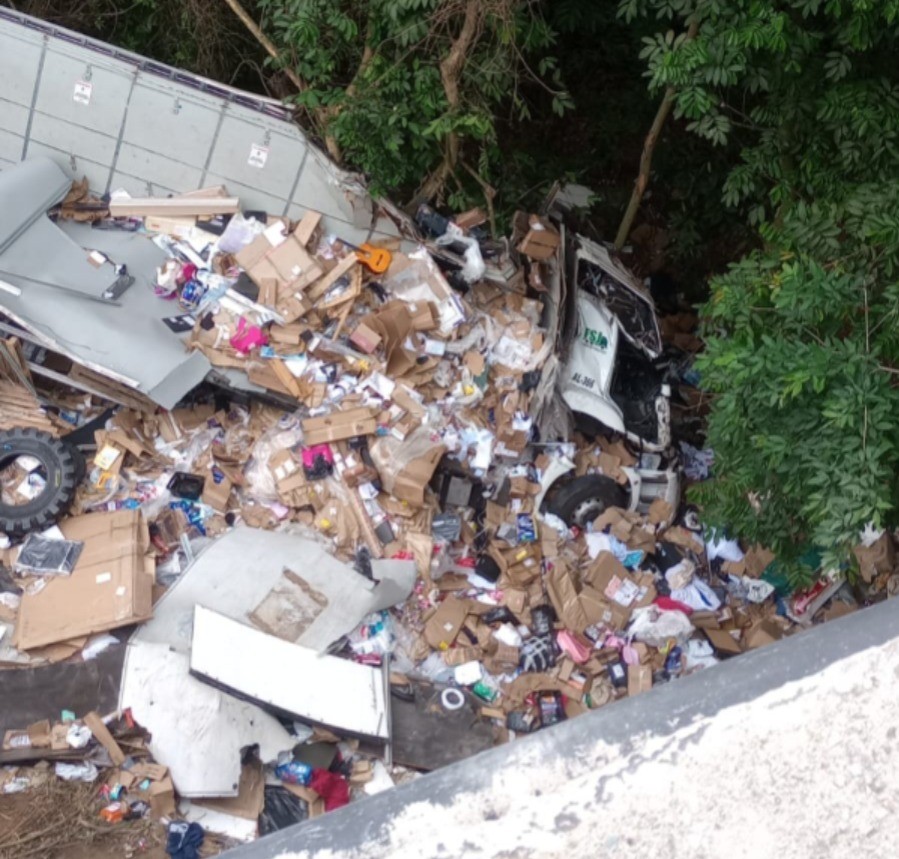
point(587, 511)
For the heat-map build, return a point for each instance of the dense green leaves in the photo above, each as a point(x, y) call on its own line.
point(374, 83)
point(802, 345)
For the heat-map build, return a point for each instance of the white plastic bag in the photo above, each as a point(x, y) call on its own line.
point(698, 595)
point(656, 627)
point(86, 772)
point(474, 267)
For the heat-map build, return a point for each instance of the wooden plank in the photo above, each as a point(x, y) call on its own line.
point(307, 227)
point(18, 408)
point(286, 378)
point(176, 206)
point(112, 390)
point(320, 287)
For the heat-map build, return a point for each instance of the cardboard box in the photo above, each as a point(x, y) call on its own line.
point(761, 633)
point(443, 626)
point(416, 279)
point(36, 736)
point(101, 733)
point(111, 585)
point(392, 324)
point(877, 558)
point(286, 263)
point(723, 641)
point(179, 227)
point(541, 240)
point(365, 338)
point(406, 467)
point(609, 576)
point(600, 611)
point(216, 495)
point(162, 798)
point(639, 679)
point(757, 560)
point(338, 426)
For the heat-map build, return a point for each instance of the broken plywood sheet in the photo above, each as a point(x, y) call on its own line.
point(20, 408)
point(288, 679)
point(197, 731)
point(236, 574)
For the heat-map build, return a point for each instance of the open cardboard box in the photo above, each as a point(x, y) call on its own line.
point(110, 587)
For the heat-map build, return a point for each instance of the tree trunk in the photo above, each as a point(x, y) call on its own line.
point(645, 166)
point(450, 73)
point(649, 146)
point(330, 143)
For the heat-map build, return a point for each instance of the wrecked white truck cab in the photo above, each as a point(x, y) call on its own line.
point(612, 380)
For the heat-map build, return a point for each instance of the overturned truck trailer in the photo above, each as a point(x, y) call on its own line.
point(74, 107)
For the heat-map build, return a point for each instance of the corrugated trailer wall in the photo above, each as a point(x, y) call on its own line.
point(127, 122)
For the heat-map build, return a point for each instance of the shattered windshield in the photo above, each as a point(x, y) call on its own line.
point(635, 314)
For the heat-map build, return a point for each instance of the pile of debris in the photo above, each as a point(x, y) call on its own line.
point(394, 511)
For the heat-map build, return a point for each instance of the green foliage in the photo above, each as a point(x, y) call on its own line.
point(374, 81)
point(801, 346)
point(801, 334)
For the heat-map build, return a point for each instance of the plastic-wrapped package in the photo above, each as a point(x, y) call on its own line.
point(474, 267)
point(48, 556)
point(656, 627)
point(260, 480)
point(85, 772)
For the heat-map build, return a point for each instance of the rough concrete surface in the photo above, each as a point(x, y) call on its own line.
point(810, 769)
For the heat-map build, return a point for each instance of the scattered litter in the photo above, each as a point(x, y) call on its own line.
point(396, 516)
point(77, 772)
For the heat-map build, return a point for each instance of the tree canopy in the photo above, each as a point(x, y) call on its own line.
point(801, 341)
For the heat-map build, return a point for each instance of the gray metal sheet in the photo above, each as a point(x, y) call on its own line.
point(128, 342)
point(19, 61)
point(237, 137)
point(10, 145)
point(15, 119)
point(154, 173)
point(109, 91)
point(155, 130)
point(74, 166)
point(168, 123)
point(71, 138)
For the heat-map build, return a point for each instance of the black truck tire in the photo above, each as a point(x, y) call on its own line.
point(64, 467)
point(581, 500)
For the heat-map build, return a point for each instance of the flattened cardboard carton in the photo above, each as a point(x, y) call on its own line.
point(757, 560)
point(338, 426)
point(723, 641)
point(639, 679)
point(443, 626)
point(764, 632)
point(111, 585)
